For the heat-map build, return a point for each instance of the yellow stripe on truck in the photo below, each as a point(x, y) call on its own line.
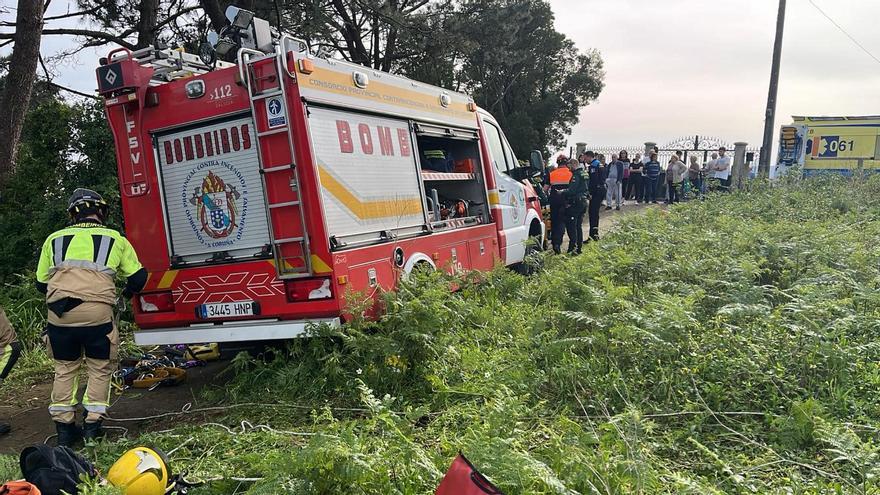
point(341, 83)
point(167, 279)
point(319, 266)
point(366, 210)
point(494, 199)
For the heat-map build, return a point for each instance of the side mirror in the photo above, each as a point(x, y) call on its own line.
point(536, 161)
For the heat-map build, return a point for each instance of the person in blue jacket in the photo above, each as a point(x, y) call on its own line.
point(597, 173)
point(652, 176)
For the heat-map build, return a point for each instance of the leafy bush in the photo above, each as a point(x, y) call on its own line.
point(724, 346)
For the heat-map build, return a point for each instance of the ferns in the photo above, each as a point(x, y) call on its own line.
point(728, 346)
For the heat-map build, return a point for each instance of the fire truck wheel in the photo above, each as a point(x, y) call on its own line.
point(532, 261)
point(422, 267)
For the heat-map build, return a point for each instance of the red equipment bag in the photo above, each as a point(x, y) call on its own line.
point(18, 488)
point(464, 479)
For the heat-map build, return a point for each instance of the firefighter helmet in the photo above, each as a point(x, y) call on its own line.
point(140, 471)
point(84, 202)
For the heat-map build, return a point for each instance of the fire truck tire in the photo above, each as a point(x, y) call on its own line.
point(534, 245)
point(418, 261)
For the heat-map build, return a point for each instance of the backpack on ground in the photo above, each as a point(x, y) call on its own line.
point(464, 479)
point(18, 488)
point(53, 469)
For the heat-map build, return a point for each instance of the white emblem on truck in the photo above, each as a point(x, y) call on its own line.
point(217, 209)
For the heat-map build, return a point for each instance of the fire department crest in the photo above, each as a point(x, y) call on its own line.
point(216, 207)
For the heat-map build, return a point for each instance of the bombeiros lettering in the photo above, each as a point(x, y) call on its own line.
point(365, 139)
point(207, 144)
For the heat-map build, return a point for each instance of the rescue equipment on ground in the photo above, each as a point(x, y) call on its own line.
point(19, 488)
point(161, 377)
point(194, 352)
point(151, 371)
point(140, 471)
point(146, 471)
point(53, 469)
point(462, 478)
point(205, 352)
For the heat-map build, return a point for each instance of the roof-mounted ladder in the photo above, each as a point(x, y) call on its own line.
point(168, 64)
point(266, 80)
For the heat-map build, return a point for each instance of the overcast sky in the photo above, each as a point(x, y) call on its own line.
point(683, 67)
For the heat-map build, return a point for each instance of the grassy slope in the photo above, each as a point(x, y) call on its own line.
point(726, 347)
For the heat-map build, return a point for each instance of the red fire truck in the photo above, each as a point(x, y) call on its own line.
point(259, 193)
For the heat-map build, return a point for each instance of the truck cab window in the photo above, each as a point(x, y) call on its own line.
point(496, 147)
point(511, 159)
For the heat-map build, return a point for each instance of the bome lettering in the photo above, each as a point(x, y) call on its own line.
point(367, 136)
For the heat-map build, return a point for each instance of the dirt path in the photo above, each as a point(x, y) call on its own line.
point(608, 218)
point(30, 421)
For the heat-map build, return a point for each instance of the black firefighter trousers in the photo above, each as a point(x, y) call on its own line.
point(557, 218)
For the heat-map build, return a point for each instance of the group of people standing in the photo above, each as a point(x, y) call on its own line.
point(639, 179)
point(577, 186)
point(643, 180)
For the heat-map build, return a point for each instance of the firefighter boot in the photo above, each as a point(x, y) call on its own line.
point(68, 434)
point(93, 431)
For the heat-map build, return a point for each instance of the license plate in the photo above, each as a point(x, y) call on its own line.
point(227, 310)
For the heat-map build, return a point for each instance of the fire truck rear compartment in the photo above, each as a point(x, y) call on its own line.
point(455, 193)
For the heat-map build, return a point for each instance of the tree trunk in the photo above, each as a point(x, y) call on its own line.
point(215, 13)
point(19, 81)
point(149, 10)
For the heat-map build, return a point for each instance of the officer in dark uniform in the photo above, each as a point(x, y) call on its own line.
point(560, 177)
point(575, 206)
point(597, 175)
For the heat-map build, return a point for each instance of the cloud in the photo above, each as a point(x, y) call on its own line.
point(683, 67)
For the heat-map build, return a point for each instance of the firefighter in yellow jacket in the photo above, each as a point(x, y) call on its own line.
point(10, 350)
point(76, 271)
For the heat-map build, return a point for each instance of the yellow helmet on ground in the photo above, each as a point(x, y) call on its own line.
point(141, 471)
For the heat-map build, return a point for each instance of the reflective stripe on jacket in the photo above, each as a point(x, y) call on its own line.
point(82, 261)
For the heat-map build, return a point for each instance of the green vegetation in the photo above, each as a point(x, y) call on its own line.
point(63, 146)
point(726, 346)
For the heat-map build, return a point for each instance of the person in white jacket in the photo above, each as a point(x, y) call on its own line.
point(721, 167)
